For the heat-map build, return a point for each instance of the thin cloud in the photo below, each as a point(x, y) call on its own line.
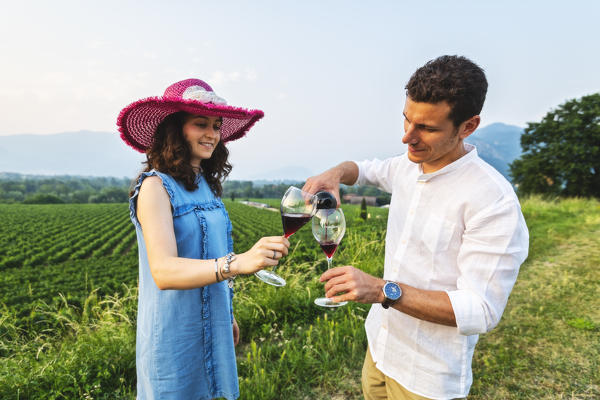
point(224, 77)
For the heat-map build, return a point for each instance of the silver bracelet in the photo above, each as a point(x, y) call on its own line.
point(217, 269)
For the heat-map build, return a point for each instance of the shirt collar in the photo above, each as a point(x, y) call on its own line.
point(453, 166)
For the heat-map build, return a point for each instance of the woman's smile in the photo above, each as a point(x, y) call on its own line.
point(209, 145)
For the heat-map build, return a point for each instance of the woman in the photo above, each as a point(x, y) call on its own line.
point(186, 331)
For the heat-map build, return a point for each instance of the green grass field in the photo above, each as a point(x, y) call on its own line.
point(67, 322)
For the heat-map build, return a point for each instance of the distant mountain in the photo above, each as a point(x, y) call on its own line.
point(75, 153)
point(87, 153)
point(498, 144)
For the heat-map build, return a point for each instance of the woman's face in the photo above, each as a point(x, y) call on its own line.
point(202, 134)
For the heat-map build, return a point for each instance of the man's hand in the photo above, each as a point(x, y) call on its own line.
point(349, 283)
point(329, 181)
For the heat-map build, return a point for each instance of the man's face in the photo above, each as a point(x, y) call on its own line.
point(433, 140)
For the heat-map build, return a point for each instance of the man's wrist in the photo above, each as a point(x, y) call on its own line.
point(380, 295)
point(347, 173)
point(339, 173)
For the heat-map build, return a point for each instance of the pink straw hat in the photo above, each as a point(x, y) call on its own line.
point(138, 121)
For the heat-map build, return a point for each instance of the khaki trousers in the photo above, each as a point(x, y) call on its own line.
point(377, 386)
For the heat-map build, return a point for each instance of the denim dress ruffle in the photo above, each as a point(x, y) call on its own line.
point(184, 341)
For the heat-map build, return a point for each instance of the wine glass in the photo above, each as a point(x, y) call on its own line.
point(328, 227)
point(297, 208)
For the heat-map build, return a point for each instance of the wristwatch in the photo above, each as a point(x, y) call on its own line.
point(391, 293)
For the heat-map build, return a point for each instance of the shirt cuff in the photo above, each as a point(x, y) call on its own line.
point(361, 172)
point(469, 312)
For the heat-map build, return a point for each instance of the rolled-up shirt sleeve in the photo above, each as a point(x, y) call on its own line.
point(379, 173)
point(495, 244)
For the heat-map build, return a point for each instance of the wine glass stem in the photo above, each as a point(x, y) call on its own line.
point(329, 259)
point(275, 266)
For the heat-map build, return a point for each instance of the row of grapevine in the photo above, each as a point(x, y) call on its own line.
point(23, 288)
point(38, 235)
point(84, 247)
point(250, 224)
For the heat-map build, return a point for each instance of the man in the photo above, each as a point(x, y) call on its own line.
point(455, 240)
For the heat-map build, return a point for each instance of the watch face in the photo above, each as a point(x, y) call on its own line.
point(392, 291)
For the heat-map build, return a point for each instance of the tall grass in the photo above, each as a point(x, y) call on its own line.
point(90, 354)
point(548, 342)
point(546, 346)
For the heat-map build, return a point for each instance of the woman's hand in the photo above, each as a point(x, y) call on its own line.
point(265, 253)
point(236, 332)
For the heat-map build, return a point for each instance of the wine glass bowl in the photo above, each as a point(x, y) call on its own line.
point(329, 227)
point(297, 208)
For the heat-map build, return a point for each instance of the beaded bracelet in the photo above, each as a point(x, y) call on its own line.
point(228, 259)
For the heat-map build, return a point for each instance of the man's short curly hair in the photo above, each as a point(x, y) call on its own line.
point(454, 79)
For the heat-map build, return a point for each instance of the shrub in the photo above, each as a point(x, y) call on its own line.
point(43, 199)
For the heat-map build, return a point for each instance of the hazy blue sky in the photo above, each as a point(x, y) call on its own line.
point(328, 74)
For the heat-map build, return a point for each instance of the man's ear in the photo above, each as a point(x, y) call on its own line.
point(469, 126)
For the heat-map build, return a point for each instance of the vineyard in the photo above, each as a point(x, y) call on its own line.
point(68, 305)
point(47, 250)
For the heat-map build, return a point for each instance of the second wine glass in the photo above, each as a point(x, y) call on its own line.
point(297, 208)
point(328, 227)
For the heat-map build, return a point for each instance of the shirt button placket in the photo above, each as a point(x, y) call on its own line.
point(410, 219)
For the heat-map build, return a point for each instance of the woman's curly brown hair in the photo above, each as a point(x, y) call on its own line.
point(170, 153)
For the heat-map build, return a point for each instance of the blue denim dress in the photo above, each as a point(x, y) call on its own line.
point(184, 342)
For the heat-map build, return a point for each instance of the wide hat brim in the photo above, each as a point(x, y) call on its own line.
point(138, 121)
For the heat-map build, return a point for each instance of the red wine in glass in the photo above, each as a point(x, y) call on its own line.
point(293, 222)
point(328, 227)
point(297, 208)
point(329, 248)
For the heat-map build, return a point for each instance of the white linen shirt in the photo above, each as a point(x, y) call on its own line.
point(459, 229)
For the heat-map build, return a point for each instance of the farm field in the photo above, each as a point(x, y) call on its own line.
point(68, 303)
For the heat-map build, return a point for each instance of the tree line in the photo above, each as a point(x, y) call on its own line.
point(258, 190)
point(36, 189)
point(39, 189)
